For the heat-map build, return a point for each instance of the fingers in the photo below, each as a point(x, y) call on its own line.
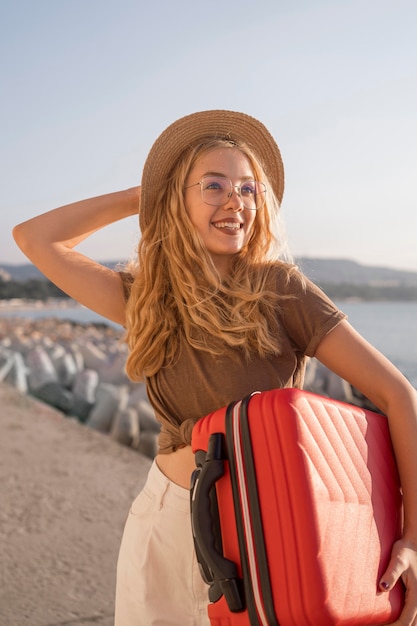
point(394, 571)
point(408, 615)
point(407, 618)
point(402, 567)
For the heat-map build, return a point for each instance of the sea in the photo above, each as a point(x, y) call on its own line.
point(390, 326)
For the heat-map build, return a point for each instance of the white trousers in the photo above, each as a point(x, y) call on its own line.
point(158, 579)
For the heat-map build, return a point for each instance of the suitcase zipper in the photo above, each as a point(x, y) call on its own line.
point(250, 531)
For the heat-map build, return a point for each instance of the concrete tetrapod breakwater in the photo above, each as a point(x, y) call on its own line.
point(79, 370)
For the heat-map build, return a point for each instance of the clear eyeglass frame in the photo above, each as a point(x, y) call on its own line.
point(217, 190)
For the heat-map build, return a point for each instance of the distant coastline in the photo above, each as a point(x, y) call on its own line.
point(54, 308)
point(369, 292)
point(343, 292)
point(27, 304)
point(341, 279)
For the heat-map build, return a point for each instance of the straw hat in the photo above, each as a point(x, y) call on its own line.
point(187, 131)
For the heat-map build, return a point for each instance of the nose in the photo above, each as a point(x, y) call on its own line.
point(234, 201)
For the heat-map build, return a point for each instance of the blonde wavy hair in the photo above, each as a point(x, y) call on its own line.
point(177, 289)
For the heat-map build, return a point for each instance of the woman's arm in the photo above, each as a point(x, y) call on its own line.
point(48, 240)
point(350, 356)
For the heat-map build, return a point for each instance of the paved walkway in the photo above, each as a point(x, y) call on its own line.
point(65, 492)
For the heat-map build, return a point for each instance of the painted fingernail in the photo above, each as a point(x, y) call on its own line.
point(384, 585)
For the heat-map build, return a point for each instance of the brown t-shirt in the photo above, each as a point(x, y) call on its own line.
point(199, 383)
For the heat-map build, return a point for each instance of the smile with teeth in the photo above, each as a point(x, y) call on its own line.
point(234, 225)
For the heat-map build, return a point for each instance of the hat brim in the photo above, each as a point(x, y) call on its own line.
point(186, 132)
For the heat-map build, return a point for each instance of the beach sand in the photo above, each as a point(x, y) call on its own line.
point(65, 494)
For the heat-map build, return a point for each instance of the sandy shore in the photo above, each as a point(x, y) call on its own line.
point(66, 491)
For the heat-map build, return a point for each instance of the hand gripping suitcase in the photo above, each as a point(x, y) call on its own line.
point(295, 505)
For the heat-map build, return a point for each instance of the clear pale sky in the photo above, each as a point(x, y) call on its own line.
point(88, 85)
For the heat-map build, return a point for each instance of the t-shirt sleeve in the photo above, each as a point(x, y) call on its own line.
point(307, 314)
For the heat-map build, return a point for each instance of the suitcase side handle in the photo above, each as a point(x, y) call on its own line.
point(224, 570)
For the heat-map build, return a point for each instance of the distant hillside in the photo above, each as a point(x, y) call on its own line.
point(317, 269)
point(19, 272)
point(27, 271)
point(339, 278)
point(328, 271)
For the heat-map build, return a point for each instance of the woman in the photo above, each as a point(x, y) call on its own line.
point(212, 313)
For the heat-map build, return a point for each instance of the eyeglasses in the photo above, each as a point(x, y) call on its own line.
point(216, 191)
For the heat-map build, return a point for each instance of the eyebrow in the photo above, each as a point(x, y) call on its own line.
point(224, 176)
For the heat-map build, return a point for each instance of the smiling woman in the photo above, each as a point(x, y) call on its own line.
point(218, 211)
point(213, 312)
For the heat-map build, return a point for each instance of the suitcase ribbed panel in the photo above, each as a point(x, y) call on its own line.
point(330, 505)
point(322, 497)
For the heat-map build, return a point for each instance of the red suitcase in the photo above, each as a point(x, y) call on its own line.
point(295, 506)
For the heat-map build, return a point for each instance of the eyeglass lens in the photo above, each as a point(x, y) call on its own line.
point(216, 190)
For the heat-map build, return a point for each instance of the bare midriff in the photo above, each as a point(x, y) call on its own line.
point(178, 466)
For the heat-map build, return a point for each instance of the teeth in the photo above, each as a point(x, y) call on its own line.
point(227, 225)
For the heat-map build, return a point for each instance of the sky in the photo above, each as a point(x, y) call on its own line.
point(88, 85)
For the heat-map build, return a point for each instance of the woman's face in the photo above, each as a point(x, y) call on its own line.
point(224, 229)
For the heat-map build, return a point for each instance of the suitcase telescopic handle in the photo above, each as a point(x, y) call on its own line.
point(224, 570)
